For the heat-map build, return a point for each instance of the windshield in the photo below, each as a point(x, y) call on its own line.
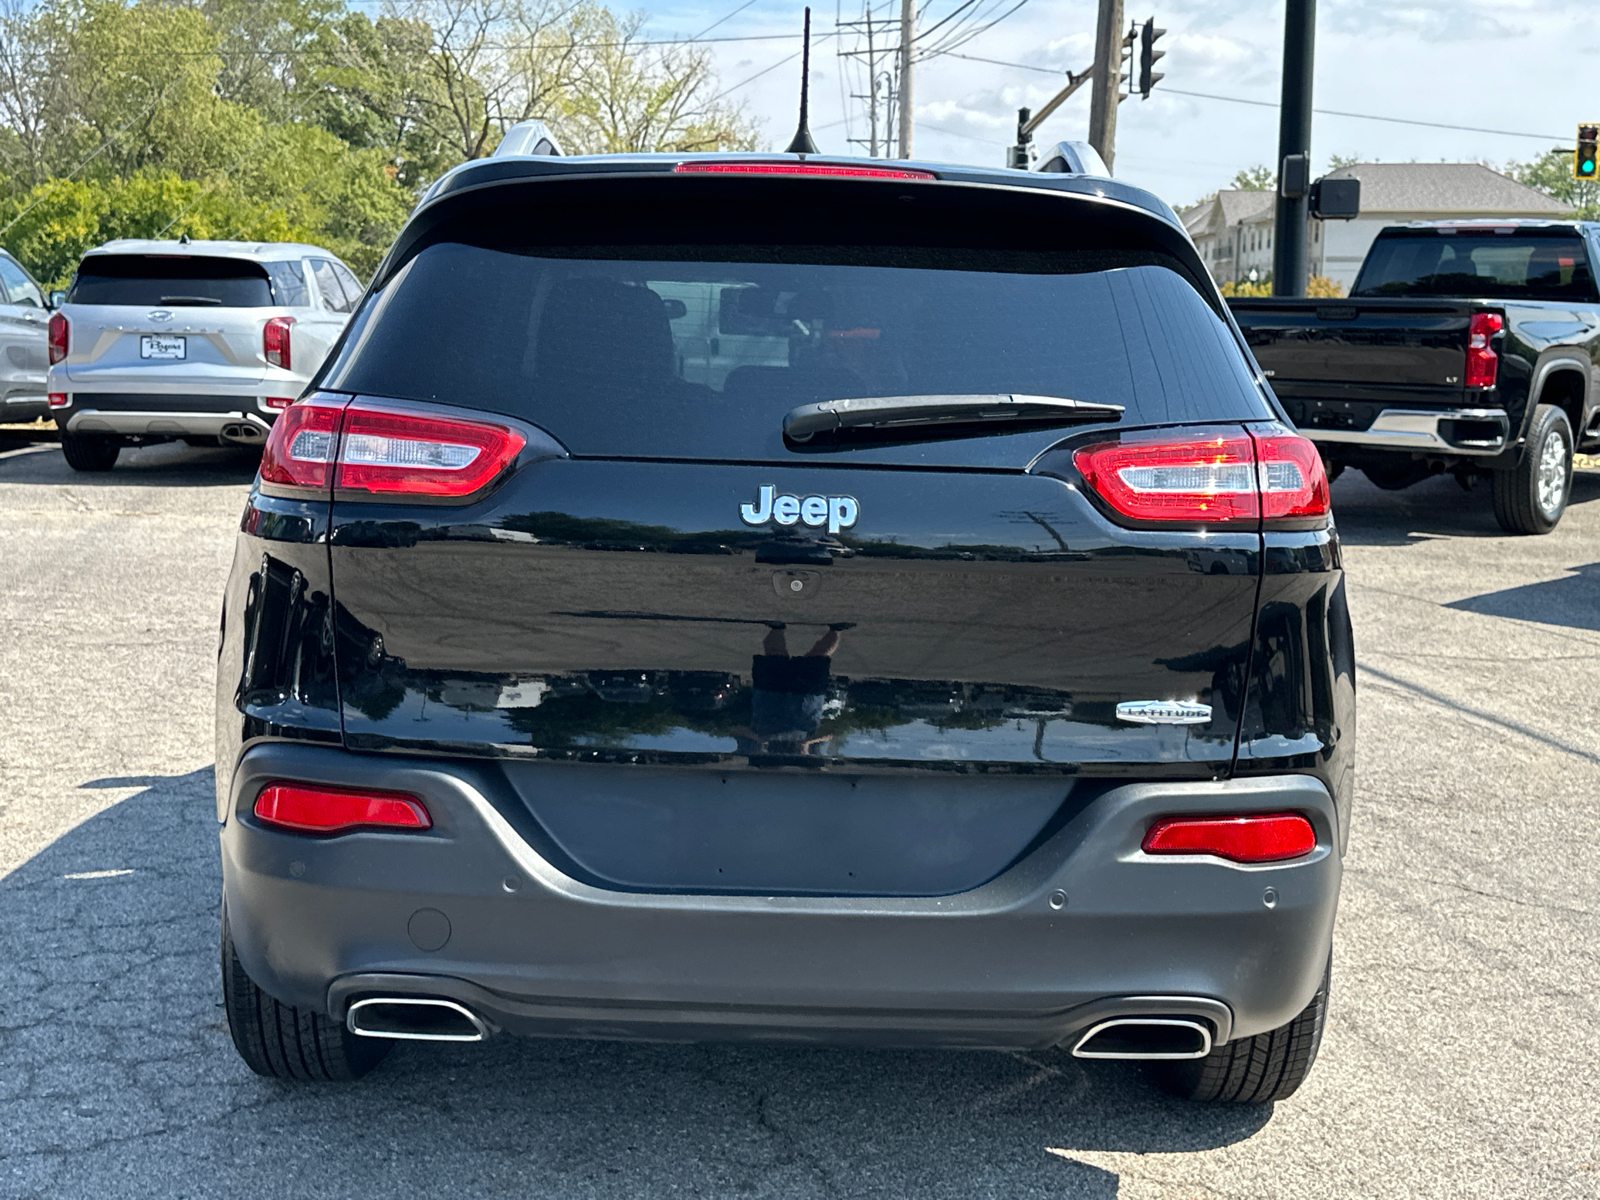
point(147, 280)
point(1478, 263)
point(665, 354)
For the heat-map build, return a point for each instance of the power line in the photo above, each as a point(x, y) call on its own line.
point(720, 20)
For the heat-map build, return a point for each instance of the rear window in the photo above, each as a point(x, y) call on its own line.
point(148, 280)
point(701, 351)
point(1478, 263)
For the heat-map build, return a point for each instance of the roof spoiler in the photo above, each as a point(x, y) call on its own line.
point(1072, 158)
point(528, 137)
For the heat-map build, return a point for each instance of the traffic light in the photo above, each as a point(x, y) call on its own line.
point(1147, 57)
point(1584, 164)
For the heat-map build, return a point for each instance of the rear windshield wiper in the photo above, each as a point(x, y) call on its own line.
point(190, 300)
point(884, 414)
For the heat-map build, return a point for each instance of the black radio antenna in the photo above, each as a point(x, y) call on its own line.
point(802, 143)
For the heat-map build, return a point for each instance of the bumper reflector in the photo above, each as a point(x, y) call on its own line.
point(1248, 838)
point(309, 808)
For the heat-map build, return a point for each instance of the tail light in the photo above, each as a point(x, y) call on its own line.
point(276, 342)
point(59, 337)
point(59, 399)
point(1252, 838)
point(326, 442)
point(1225, 477)
point(279, 402)
point(739, 167)
point(307, 808)
point(1483, 364)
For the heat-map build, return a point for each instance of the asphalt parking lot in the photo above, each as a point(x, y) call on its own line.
point(1462, 1056)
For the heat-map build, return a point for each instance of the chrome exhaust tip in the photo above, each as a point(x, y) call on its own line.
point(415, 1019)
point(1145, 1038)
point(244, 432)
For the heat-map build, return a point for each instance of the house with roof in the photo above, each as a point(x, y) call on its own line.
point(1234, 229)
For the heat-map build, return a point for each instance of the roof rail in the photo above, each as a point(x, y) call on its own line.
point(1072, 158)
point(528, 137)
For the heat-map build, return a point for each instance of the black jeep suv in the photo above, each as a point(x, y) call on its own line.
point(739, 597)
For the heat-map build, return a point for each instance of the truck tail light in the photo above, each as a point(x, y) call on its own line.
point(309, 808)
point(59, 337)
point(1248, 838)
point(392, 451)
point(276, 343)
point(1224, 477)
point(1483, 364)
point(300, 451)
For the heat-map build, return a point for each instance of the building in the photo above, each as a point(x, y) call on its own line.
point(1233, 230)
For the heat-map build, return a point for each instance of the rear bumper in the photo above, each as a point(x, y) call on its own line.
point(1475, 432)
point(167, 424)
point(1073, 932)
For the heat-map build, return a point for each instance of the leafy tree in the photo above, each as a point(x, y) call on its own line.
point(1260, 178)
point(1551, 173)
point(1335, 161)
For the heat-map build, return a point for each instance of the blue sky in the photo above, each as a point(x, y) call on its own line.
point(1517, 65)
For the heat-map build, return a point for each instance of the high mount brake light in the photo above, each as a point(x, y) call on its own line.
point(1221, 479)
point(276, 342)
point(326, 442)
point(309, 808)
point(59, 337)
point(397, 452)
point(1247, 838)
point(797, 168)
point(1483, 364)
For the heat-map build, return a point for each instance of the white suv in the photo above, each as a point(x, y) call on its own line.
point(204, 341)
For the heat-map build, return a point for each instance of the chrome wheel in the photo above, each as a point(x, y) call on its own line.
point(1551, 476)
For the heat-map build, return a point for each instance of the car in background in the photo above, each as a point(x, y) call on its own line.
point(206, 341)
point(24, 312)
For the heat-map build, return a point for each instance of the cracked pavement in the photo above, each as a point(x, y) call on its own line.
point(1462, 1056)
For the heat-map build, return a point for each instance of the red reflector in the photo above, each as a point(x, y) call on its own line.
point(1193, 481)
point(311, 809)
point(279, 401)
point(59, 337)
point(1294, 484)
point(1483, 364)
point(276, 342)
point(59, 400)
point(300, 450)
point(797, 168)
point(397, 452)
point(1269, 837)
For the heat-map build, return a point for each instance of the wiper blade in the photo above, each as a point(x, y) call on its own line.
point(882, 414)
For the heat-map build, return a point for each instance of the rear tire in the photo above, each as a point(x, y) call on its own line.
point(90, 451)
point(1253, 1070)
point(1531, 496)
point(283, 1042)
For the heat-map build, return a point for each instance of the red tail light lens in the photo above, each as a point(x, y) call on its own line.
point(301, 449)
point(1224, 477)
point(59, 399)
point(307, 808)
point(397, 452)
point(276, 345)
point(1483, 364)
point(59, 337)
point(796, 168)
point(1253, 838)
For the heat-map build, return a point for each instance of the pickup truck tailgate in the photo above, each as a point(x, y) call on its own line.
point(1383, 342)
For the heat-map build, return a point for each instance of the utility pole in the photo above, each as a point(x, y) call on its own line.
point(908, 12)
point(1294, 149)
point(1105, 94)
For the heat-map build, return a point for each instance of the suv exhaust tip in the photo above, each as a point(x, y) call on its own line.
point(414, 1019)
point(1145, 1038)
point(244, 433)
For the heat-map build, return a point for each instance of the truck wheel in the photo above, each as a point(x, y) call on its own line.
point(1253, 1070)
point(89, 451)
point(1531, 496)
point(283, 1042)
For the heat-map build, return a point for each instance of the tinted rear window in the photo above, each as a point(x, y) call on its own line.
point(1479, 263)
point(172, 282)
point(701, 351)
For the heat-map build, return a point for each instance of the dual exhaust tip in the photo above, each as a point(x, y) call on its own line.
point(244, 432)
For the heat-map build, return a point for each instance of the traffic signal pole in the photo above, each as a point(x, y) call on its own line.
point(1294, 149)
point(1108, 39)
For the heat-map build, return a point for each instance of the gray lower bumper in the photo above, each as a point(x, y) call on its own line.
point(1471, 431)
point(164, 424)
point(1063, 938)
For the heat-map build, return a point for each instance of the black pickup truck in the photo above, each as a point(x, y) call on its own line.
point(1465, 346)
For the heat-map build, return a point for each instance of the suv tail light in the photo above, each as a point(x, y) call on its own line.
point(1483, 364)
point(1251, 838)
point(326, 442)
point(308, 808)
point(59, 337)
point(1225, 477)
point(276, 343)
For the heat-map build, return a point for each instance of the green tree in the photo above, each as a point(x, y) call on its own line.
point(1260, 178)
point(1551, 173)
